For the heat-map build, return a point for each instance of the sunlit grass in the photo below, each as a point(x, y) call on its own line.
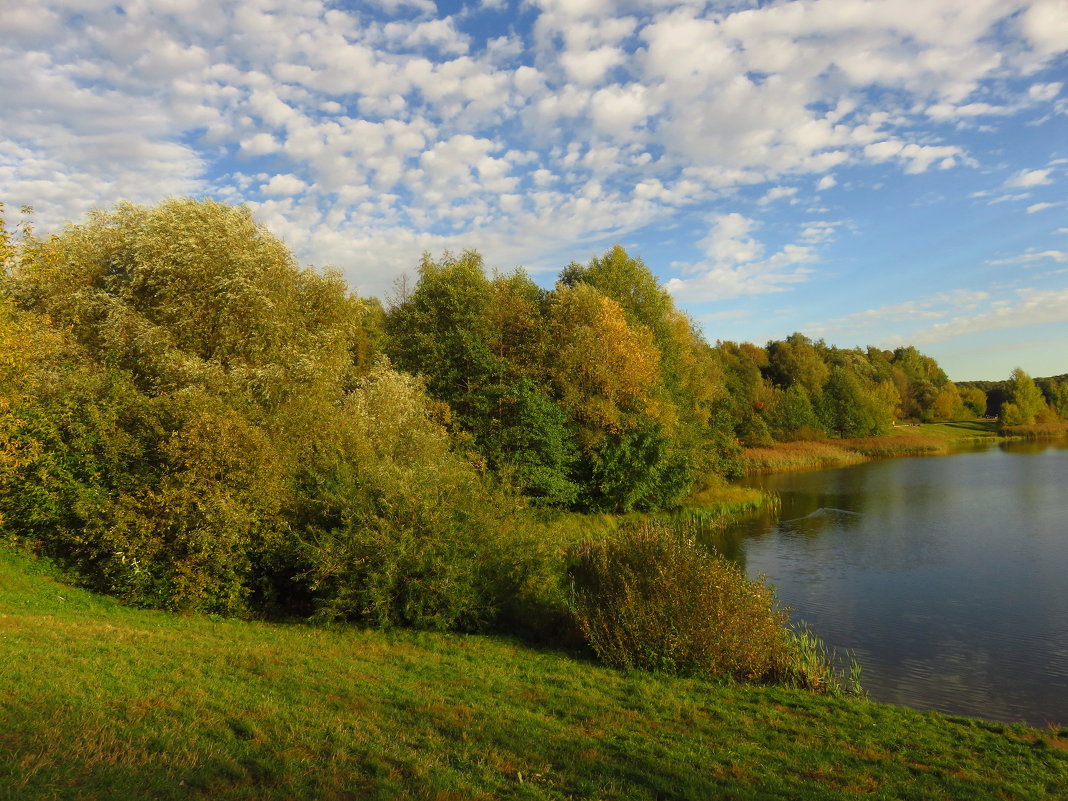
point(98, 701)
point(1038, 430)
point(786, 456)
point(903, 440)
point(953, 430)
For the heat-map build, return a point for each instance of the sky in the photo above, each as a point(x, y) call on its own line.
point(869, 172)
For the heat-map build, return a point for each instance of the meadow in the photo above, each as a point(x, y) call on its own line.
point(102, 701)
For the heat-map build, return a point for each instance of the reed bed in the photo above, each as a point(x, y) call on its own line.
point(814, 455)
point(1037, 430)
point(787, 456)
point(901, 445)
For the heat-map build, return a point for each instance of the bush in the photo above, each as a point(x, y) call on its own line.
point(403, 531)
point(649, 598)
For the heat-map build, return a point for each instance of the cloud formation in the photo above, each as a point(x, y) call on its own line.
point(388, 129)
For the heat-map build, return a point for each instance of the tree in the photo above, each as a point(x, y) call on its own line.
point(797, 361)
point(974, 400)
point(851, 409)
point(791, 413)
point(947, 405)
point(1025, 397)
point(604, 370)
point(1058, 397)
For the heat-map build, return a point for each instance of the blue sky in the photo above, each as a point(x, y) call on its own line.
point(870, 172)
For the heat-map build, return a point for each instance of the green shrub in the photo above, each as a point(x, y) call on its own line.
point(649, 598)
point(403, 530)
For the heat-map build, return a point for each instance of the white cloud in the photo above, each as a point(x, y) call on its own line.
point(284, 185)
point(1029, 178)
point(777, 193)
point(1028, 307)
point(405, 131)
point(1031, 258)
point(259, 144)
point(1040, 207)
point(1045, 24)
point(1043, 92)
point(734, 264)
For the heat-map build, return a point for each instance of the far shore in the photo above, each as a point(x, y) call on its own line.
point(906, 439)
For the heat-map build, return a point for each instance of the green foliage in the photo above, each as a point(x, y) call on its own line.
point(537, 444)
point(797, 362)
point(200, 438)
point(1025, 401)
point(442, 331)
point(648, 598)
point(850, 409)
point(417, 537)
point(948, 404)
point(636, 469)
point(974, 400)
point(1058, 397)
point(791, 412)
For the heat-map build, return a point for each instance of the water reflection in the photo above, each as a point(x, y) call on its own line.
point(945, 574)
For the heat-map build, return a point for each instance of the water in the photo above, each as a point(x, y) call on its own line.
point(947, 576)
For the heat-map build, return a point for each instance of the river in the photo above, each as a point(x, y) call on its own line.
point(947, 576)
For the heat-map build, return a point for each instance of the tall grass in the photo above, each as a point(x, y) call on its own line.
point(802, 455)
point(651, 597)
point(808, 664)
point(648, 598)
point(787, 456)
point(902, 445)
point(719, 506)
point(1050, 430)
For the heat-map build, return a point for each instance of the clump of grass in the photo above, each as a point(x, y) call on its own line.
point(651, 599)
point(721, 505)
point(808, 664)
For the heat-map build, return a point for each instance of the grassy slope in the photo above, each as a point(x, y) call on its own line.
point(101, 701)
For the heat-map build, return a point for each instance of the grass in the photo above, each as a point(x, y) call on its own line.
point(713, 508)
point(1050, 430)
point(903, 440)
point(98, 701)
point(952, 432)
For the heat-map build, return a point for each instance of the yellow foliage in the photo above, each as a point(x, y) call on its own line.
point(604, 369)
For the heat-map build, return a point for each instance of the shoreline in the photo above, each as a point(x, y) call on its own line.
point(924, 439)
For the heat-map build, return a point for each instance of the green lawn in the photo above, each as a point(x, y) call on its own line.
point(957, 430)
point(98, 701)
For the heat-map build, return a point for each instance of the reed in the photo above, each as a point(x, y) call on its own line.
point(1051, 430)
point(787, 456)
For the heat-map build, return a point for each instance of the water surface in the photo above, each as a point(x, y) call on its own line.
point(947, 576)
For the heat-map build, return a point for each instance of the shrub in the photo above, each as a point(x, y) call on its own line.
point(649, 598)
point(403, 531)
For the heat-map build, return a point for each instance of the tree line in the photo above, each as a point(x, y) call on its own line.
point(191, 420)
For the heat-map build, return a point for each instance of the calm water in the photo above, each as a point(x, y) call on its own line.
point(948, 576)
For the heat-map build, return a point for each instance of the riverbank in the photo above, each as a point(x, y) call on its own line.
point(905, 440)
point(103, 701)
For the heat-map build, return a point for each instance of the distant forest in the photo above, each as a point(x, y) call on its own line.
point(191, 418)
